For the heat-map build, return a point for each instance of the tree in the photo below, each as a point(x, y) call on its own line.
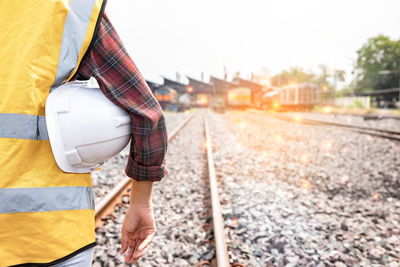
point(298, 75)
point(237, 74)
point(292, 75)
point(340, 75)
point(322, 78)
point(378, 56)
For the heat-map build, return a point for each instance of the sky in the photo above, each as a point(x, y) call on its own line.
point(261, 36)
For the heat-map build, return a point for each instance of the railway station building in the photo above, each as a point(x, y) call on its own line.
point(256, 89)
point(179, 87)
point(220, 88)
point(152, 85)
point(384, 98)
point(201, 92)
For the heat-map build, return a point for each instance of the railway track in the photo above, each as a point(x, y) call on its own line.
point(106, 206)
point(218, 222)
point(221, 246)
point(388, 134)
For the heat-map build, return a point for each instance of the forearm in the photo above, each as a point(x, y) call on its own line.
point(141, 193)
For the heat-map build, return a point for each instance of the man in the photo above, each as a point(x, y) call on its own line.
point(40, 40)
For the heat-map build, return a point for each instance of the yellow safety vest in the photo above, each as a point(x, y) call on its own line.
point(45, 214)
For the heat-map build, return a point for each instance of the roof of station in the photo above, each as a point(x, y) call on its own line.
point(180, 87)
point(200, 86)
point(394, 91)
point(153, 86)
point(301, 85)
point(255, 87)
point(220, 86)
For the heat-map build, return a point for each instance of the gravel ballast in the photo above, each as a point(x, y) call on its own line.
point(291, 195)
point(300, 195)
point(386, 123)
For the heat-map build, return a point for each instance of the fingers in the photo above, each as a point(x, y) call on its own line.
point(124, 241)
point(131, 250)
point(137, 248)
point(142, 252)
point(139, 254)
point(145, 242)
point(134, 248)
point(142, 247)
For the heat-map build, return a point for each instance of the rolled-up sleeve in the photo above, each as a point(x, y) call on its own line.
point(119, 79)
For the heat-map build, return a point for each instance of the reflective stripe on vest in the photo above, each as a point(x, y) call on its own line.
point(16, 200)
point(23, 126)
point(78, 18)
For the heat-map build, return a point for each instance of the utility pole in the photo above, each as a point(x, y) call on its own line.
point(225, 69)
point(335, 85)
point(398, 103)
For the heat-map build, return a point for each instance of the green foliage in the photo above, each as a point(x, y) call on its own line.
point(357, 104)
point(292, 75)
point(340, 75)
point(347, 91)
point(322, 78)
point(298, 75)
point(378, 64)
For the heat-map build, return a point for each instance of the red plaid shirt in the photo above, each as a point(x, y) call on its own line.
point(120, 80)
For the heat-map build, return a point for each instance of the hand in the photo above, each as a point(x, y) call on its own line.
point(138, 230)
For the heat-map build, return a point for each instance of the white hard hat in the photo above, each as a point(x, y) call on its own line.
point(84, 127)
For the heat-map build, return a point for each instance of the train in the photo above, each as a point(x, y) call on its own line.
point(269, 100)
point(240, 97)
point(237, 94)
point(169, 99)
point(202, 100)
point(166, 96)
point(303, 96)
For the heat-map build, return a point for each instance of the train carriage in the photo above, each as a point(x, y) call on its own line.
point(302, 96)
point(167, 97)
point(202, 100)
point(270, 100)
point(239, 97)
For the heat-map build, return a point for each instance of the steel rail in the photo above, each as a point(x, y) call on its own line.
point(106, 205)
point(388, 134)
point(353, 126)
point(218, 222)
